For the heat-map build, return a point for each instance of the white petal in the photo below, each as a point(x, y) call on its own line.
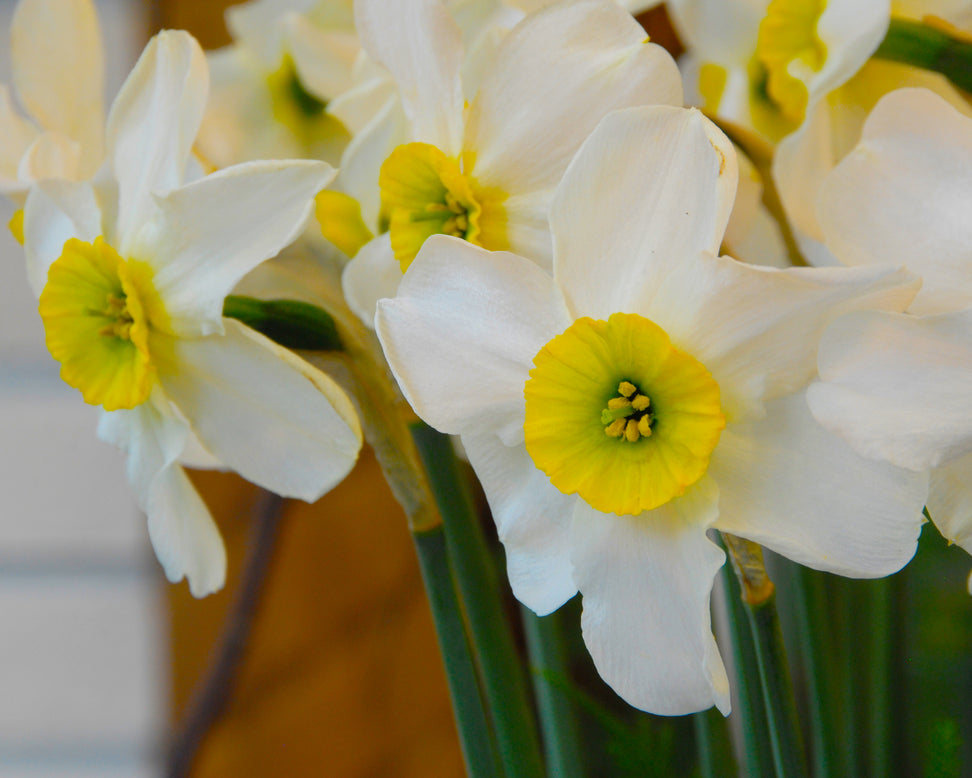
point(752, 235)
point(184, 536)
point(258, 26)
point(359, 105)
point(532, 519)
point(55, 212)
point(801, 163)
point(59, 71)
point(904, 194)
point(371, 275)
point(787, 483)
point(16, 135)
point(851, 31)
point(646, 582)
point(897, 387)
point(152, 126)
point(421, 45)
point(725, 31)
point(263, 411)
point(463, 331)
point(651, 186)
point(364, 156)
point(950, 501)
point(52, 155)
point(208, 234)
point(323, 58)
point(554, 77)
point(756, 329)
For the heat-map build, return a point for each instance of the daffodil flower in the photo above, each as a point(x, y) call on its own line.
point(271, 86)
point(58, 75)
point(132, 270)
point(896, 385)
point(645, 393)
point(486, 171)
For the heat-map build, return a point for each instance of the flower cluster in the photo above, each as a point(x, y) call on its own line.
point(585, 279)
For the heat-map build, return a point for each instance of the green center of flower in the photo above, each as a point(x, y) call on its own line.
point(98, 310)
point(425, 193)
point(618, 415)
point(300, 111)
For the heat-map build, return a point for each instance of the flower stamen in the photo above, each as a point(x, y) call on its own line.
point(627, 417)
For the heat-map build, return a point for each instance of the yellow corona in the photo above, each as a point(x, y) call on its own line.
point(618, 415)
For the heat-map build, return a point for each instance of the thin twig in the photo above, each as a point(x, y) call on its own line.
point(214, 692)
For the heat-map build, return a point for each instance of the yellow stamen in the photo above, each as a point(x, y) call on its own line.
point(626, 388)
point(616, 428)
point(644, 426)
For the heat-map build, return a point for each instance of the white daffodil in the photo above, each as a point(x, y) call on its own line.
point(132, 271)
point(486, 170)
point(643, 394)
point(895, 385)
point(58, 75)
point(271, 86)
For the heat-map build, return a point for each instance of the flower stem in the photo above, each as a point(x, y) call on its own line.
point(929, 47)
point(759, 599)
point(504, 683)
point(757, 751)
point(214, 692)
point(550, 672)
point(814, 629)
point(881, 659)
point(475, 737)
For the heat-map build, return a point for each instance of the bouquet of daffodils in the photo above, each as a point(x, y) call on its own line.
point(672, 312)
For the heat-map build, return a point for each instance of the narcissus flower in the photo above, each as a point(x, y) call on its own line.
point(895, 385)
point(643, 394)
point(132, 271)
point(486, 171)
point(58, 74)
point(271, 86)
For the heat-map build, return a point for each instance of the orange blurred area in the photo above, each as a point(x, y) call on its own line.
point(342, 674)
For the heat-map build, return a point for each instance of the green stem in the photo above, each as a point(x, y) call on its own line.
point(880, 652)
point(713, 744)
point(757, 750)
point(777, 689)
point(845, 649)
point(291, 323)
point(503, 678)
point(551, 677)
point(475, 737)
point(759, 601)
point(814, 629)
point(924, 46)
point(704, 745)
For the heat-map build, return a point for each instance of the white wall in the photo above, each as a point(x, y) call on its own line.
point(83, 645)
